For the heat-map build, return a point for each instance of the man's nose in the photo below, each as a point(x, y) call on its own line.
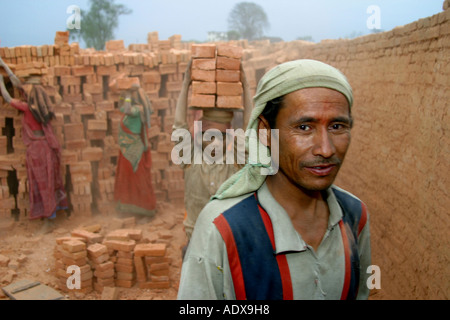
point(323, 144)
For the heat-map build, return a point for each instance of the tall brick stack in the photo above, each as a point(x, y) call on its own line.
point(216, 77)
point(85, 85)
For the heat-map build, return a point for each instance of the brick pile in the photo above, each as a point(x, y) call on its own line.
point(71, 251)
point(101, 265)
point(152, 266)
point(216, 76)
point(121, 258)
point(85, 85)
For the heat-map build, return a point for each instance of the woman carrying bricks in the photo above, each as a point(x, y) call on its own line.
point(45, 184)
point(133, 189)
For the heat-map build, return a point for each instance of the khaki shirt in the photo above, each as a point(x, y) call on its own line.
point(201, 182)
point(315, 274)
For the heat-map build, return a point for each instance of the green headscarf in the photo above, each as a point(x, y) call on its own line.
point(279, 81)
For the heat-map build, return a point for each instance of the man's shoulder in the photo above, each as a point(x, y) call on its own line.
point(339, 192)
point(216, 207)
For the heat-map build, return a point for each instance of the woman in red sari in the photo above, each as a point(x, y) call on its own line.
point(46, 189)
point(133, 189)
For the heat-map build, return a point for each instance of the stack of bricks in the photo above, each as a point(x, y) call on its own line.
point(216, 77)
point(104, 273)
point(59, 54)
point(121, 244)
point(152, 266)
point(85, 87)
point(121, 258)
point(7, 199)
point(71, 251)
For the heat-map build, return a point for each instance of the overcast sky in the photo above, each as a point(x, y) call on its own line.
point(35, 22)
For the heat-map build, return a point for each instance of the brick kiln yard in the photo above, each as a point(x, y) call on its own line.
point(399, 150)
point(28, 253)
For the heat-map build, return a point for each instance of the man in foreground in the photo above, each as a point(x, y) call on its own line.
point(293, 234)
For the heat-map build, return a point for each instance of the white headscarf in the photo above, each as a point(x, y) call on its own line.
point(279, 81)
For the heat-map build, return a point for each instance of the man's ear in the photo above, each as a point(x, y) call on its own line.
point(264, 131)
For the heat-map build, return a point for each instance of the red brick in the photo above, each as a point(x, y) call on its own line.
point(203, 101)
point(150, 250)
point(74, 245)
point(228, 75)
point(168, 68)
point(226, 63)
point(229, 51)
point(73, 255)
point(125, 283)
point(96, 250)
point(203, 50)
point(203, 75)
point(89, 236)
point(104, 266)
point(126, 83)
point(124, 268)
point(76, 144)
point(114, 45)
point(82, 70)
point(125, 261)
point(73, 131)
point(120, 245)
point(201, 87)
point(91, 154)
point(229, 88)
point(204, 64)
point(104, 106)
point(97, 125)
point(229, 102)
point(151, 77)
point(141, 271)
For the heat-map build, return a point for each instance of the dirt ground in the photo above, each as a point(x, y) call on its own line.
point(30, 249)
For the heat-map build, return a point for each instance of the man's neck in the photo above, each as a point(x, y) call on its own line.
point(308, 210)
point(288, 194)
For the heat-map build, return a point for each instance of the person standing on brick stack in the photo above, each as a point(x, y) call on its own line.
point(203, 180)
point(133, 189)
point(45, 184)
point(288, 233)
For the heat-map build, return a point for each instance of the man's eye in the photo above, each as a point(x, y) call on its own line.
point(304, 127)
point(339, 126)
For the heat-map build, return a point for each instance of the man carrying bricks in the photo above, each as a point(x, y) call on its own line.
point(45, 184)
point(292, 234)
point(203, 180)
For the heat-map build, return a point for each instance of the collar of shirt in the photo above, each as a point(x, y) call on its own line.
point(286, 237)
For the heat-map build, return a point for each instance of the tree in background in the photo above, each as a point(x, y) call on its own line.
point(249, 20)
point(99, 23)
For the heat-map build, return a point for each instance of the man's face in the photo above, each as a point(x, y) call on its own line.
point(314, 135)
